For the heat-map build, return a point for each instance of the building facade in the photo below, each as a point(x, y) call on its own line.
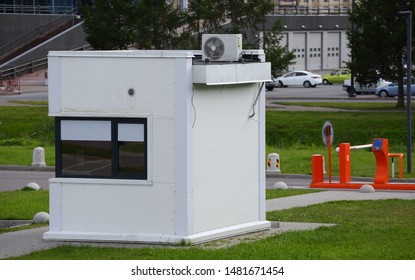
point(314, 29)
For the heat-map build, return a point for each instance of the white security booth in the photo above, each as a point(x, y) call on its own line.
point(156, 146)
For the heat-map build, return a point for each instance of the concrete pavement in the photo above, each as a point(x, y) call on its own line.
point(17, 178)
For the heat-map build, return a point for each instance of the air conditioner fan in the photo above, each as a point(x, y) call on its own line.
point(214, 48)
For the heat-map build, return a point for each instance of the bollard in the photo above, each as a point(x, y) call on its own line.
point(317, 169)
point(273, 163)
point(38, 157)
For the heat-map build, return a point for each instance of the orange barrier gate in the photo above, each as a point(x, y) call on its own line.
point(381, 180)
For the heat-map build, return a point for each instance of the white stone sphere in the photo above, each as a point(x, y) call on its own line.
point(280, 185)
point(367, 189)
point(41, 218)
point(33, 186)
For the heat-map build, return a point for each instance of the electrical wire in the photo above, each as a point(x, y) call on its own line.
point(256, 100)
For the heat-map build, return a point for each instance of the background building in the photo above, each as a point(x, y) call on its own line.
point(29, 29)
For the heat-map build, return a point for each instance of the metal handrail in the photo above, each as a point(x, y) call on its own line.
point(33, 33)
point(35, 9)
point(30, 67)
point(310, 11)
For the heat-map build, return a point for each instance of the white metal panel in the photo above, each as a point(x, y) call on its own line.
point(237, 73)
point(183, 148)
point(163, 150)
point(260, 118)
point(54, 93)
point(119, 208)
point(225, 156)
point(55, 206)
point(102, 84)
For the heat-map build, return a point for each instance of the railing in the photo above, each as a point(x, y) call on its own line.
point(36, 32)
point(30, 67)
point(36, 9)
point(310, 11)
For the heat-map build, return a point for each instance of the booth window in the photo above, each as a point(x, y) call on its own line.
point(101, 148)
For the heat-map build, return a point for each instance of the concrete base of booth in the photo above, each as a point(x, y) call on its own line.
point(206, 236)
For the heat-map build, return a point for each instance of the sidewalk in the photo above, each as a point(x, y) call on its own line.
point(23, 242)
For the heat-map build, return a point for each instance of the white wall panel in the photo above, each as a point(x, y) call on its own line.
point(117, 208)
point(225, 157)
point(103, 83)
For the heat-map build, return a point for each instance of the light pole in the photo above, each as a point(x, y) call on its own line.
point(351, 91)
point(408, 15)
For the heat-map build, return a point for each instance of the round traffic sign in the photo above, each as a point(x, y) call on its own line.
point(327, 133)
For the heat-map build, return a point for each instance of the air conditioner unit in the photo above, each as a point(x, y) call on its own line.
point(221, 47)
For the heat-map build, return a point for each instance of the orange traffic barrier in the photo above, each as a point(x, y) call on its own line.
point(400, 156)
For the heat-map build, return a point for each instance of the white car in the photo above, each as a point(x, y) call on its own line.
point(299, 78)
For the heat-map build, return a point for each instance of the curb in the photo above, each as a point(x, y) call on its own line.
point(27, 168)
point(353, 179)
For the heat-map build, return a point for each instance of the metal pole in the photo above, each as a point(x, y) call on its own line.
point(408, 88)
point(408, 15)
point(351, 91)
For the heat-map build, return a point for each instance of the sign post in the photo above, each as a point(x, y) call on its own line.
point(327, 134)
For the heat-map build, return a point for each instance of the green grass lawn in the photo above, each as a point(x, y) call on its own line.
point(23, 205)
point(373, 230)
point(372, 106)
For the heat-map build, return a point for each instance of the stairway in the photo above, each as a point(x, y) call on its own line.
point(39, 39)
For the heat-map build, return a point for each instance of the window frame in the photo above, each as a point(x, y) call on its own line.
point(114, 121)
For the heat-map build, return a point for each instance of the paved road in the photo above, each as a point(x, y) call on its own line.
point(13, 179)
point(17, 179)
point(329, 92)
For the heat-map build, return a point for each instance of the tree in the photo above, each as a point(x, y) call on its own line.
point(157, 24)
point(377, 41)
point(238, 16)
point(279, 56)
point(120, 24)
point(229, 16)
point(108, 24)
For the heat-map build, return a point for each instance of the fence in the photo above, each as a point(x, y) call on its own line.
point(310, 11)
point(36, 32)
point(37, 9)
point(30, 67)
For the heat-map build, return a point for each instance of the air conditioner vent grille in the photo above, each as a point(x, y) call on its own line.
point(214, 48)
